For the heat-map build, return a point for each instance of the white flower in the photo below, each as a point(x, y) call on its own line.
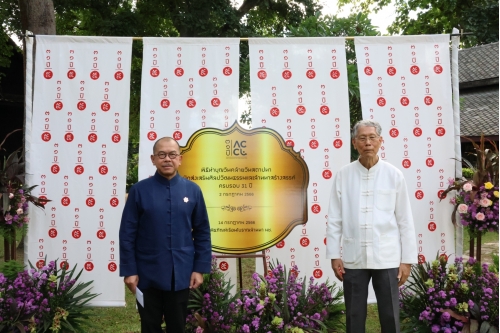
point(467, 187)
point(462, 208)
point(11, 195)
point(19, 211)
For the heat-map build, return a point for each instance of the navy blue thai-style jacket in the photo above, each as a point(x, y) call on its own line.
point(164, 227)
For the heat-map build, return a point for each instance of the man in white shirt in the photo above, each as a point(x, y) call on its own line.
point(370, 220)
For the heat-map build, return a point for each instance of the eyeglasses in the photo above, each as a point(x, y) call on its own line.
point(172, 155)
point(369, 138)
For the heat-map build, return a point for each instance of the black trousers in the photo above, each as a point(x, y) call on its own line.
point(385, 284)
point(172, 305)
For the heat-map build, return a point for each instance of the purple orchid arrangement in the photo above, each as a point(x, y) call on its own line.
point(450, 298)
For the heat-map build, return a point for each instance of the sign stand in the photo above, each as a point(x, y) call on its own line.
point(240, 268)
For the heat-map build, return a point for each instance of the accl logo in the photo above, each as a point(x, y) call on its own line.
point(236, 148)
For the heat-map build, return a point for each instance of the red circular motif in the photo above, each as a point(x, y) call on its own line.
point(215, 102)
point(286, 74)
point(381, 101)
point(71, 74)
point(223, 266)
point(337, 143)
point(406, 163)
point(191, 103)
point(304, 242)
point(334, 74)
point(179, 72)
point(58, 105)
point(203, 72)
point(116, 138)
point(368, 70)
point(68, 137)
point(310, 74)
point(428, 100)
point(394, 132)
point(327, 174)
point(417, 131)
point(317, 273)
point(274, 112)
point(105, 106)
point(103, 169)
point(65, 201)
point(227, 71)
point(405, 101)
point(419, 194)
point(391, 71)
point(152, 136)
point(112, 267)
point(90, 202)
point(114, 202)
point(165, 103)
point(301, 109)
point(441, 194)
point(64, 265)
point(438, 69)
point(46, 136)
point(101, 234)
point(94, 75)
point(79, 169)
point(81, 105)
point(154, 72)
point(314, 144)
point(92, 137)
point(48, 74)
point(88, 266)
point(440, 131)
point(316, 208)
point(429, 162)
point(76, 233)
point(443, 255)
point(414, 70)
point(324, 110)
point(290, 143)
point(40, 263)
point(421, 259)
point(177, 135)
point(324, 240)
point(55, 169)
point(119, 76)
point(43, 197)
point(52, 233)
point(281, 244)
point(261, 74)
point(431, 226)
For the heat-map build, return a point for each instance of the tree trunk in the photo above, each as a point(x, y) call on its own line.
point(38, 16)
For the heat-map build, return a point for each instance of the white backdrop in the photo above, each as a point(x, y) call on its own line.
point(405, 85)
point(77, 154)
point(299, 89)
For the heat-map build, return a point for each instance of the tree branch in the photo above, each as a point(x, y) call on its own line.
point(246, 6)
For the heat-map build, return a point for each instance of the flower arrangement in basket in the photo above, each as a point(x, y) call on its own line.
point(476, 199)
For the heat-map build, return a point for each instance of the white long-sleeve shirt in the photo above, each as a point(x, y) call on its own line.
point(370, 224)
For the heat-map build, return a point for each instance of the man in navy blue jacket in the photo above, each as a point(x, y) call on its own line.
point(164, 241)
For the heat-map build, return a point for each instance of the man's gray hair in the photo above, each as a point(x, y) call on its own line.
point(369, 123)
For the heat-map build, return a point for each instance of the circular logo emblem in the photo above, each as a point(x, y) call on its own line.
point(428, 100)
point(289, 143)
point(203, 72)
point(65, 201)
point(405, 101)
point(64, 265)
point(223, 266)
point(76, 233)
point(438, 69)
point(417, 131)
point(414, 70)
point(337, 143)
point(317, 273)
point(406, 163)
point(94, 75)
point(310, 74)
point(327, 174)
point(112, 267)
point(304, 242)
point(116, 138)
point(165, 103)
point(286, 74)
point(431, 226)
point(152, 136)
point(391, 71)
point(440, 131)
point(419, 194)
point(441, 194)
point(43, 197)
point(52, 233)
point(90, 202)
point(114, 202)
point(227, 71)
point(40, 264)
point(81, 105)
point(103, 169)
point(154, 72)
point(429, 162)
point(55, 169)
point(191, 103)
point(101, 234)
point(444, 256)
point(421, 259)
point(79, 169)
point(68, 137)
point(215, 102)
point(179, 72)
point(105, 106)
point(334, 74)
point(324, 110)
point(118, 76)
point(177, 135)
point(316, 208)
point(48, 74)
point(281, 244)
point(381, 101)
point(71, 74)
point(368, 70)
point(46, 136)
point(274, 112)
point(92, 137)
point(88, 266)
point(261, 74)
point(314, 144)
point(301, 109)
point(394, 132)
point(58, 105)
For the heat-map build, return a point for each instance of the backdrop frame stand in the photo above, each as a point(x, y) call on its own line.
point(239, 257)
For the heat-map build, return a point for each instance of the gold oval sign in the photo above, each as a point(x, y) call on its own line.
point(255, 187)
